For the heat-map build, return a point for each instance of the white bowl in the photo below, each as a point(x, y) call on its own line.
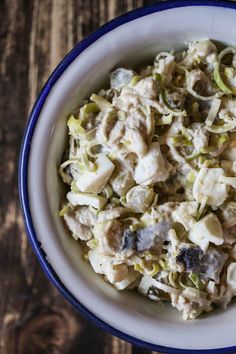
point(130, 39)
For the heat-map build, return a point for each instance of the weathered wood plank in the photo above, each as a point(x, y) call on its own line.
point(34, 36)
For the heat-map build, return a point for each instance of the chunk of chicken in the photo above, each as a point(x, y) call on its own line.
point(111, 214)
point(173, 153)
point(141, 118)
point(127, 100)
point(107, 123)
point(139, 129)
point(147, 87)
point(85, 216)
point(136, 141)
point(105, 265)
point(121, 181)
point(78, 230)
point(130, 99)
point(117, 133)
point(122, 178)
point(153, 167)
point(200, 136)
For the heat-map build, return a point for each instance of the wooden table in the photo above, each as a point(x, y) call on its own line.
point(35, 35)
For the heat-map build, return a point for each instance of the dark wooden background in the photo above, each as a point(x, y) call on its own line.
point(34, 36)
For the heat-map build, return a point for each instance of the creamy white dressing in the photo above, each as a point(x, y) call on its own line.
point(151, 176)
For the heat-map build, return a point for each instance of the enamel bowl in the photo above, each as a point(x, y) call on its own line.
point(131, 39)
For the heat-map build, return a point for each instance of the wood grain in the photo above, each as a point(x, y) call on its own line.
point(34, 36)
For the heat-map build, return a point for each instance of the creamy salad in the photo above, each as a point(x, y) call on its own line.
point(151, 171)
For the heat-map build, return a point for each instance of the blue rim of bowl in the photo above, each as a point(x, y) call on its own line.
point(24, 159)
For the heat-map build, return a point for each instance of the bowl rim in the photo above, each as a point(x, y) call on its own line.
point(25, 153)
